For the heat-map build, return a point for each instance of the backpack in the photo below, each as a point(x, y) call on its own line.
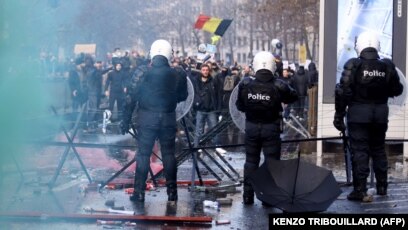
point(229, 83)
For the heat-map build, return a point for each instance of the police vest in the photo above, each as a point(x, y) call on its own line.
point(262, 101)
point(371, 82)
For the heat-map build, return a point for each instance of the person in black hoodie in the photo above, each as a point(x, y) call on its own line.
point(260, 99)
point(227, 80)
point(288, 79)
point(312, 75)
point(365, 85)
point(92, 87)
point(75, 85)
point(155, 91)
point(115, 88)
point(312, 92)
point(300, 82)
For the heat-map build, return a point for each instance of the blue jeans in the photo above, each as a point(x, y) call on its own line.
point(201, 119)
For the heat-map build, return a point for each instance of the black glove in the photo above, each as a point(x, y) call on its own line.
point(124, 127)
point(338, 121)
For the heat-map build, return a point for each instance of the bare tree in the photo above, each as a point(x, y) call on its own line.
point(119, 23)
point(288, 20)
point(309, 18)
point(123, 22)
point(182, 22)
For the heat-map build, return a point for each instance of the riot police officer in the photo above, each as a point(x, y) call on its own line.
point(362, 94)
point(260, 99)
point(155, 91)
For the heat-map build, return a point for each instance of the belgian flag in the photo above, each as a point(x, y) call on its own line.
point(213, 25)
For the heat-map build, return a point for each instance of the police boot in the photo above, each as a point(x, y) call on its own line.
point(382, 187)
point(248, 196)
point(359, 191)
point(172, 192)
point(138, 194)
point(266, 205)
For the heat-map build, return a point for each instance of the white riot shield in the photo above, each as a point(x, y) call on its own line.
point(185, 106)
point(396, 104)
point(237, 116)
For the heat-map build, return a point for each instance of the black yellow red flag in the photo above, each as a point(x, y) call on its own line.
point(213, 25)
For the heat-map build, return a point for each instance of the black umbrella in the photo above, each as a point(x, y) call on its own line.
point(295, 186)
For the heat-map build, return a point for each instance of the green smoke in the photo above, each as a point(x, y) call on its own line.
point(24, 98)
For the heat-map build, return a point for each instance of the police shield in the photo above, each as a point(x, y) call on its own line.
point(185, 106)
point(396, 103)
point(237, 116)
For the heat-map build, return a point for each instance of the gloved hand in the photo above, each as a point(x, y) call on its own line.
point(338, 121)
point(124, 127)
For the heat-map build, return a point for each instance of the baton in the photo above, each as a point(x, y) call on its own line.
point(347, 156)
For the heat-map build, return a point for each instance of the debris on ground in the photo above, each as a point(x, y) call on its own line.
point(224, 201)
point(110, 203)
point(368, 199)
point(109, 222)
point(110, 210)
point(221, 222)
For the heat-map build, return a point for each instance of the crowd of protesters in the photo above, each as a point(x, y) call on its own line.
point(213, 81)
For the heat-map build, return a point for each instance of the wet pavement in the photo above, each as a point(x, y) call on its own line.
point(25, 189)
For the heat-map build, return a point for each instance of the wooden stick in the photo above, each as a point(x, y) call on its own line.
point(94, 217)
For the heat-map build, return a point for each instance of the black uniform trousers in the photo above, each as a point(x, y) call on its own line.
point(368, 140)
point(260, 137)
point(152, 126)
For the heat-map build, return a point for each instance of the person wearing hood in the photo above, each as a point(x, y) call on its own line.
point(115, 88)
point(260, 99)
point(228, 79)
point(312, 75)
point(312, 92)
point(92, 85)
point(155, 91)
point(288, 79)
point(300, 83)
